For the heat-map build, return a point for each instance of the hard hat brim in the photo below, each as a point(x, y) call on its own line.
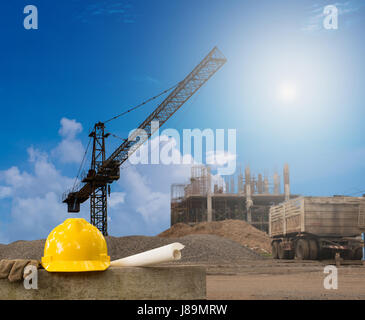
point(75, 266)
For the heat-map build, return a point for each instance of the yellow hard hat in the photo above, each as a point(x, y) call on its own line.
point(75, 246)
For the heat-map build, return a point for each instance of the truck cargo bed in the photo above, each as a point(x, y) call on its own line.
point(320, 216)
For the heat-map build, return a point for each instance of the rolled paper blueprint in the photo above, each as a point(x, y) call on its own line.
point(168, 253)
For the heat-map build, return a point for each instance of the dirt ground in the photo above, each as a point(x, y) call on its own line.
point(283, 280)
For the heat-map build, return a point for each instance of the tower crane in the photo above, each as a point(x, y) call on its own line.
point(104, 171)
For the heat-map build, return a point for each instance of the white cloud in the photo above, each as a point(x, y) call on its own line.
point(69, 150)
point(139, 203)
point(152, 205)
point(162, 147)
point(5, 192)
point(35, 198)
point(69, 128)
point(146, 192)
point(315, 21)
point(220, 158)
point(116, 198)
point(43, 178)
point(35, 217)
point(34, 195)
point(147, 187)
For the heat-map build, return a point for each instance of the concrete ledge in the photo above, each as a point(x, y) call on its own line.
point(153, 283)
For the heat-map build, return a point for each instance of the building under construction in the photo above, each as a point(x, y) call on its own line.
point(241, 196)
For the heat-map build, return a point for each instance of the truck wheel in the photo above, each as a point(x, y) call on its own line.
point(313, 249)
point(274, 249)
point(302, 250)
point(281, 252)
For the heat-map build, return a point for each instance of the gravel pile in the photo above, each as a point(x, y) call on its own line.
point(236, 230)
point(22, 250)
point(199, 248)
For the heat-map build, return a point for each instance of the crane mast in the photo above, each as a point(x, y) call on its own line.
point(104, 171)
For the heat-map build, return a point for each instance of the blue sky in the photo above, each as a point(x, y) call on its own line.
point(90, 60)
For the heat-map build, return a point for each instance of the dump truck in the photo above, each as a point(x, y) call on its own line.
point(312, 228)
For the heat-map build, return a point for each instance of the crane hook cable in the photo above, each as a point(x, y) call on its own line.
point(117, 116)
point(82, 164)
point(141, 104)
point(115, 136)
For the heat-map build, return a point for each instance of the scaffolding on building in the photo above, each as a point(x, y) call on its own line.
point(241, 196)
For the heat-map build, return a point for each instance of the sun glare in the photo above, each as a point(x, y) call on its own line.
point(287, 92)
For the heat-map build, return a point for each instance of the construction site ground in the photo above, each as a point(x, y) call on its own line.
point(283, 280)
point(237, 261)
point(265, 278)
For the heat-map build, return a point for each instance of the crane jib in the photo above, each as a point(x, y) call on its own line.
point(182, 93)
